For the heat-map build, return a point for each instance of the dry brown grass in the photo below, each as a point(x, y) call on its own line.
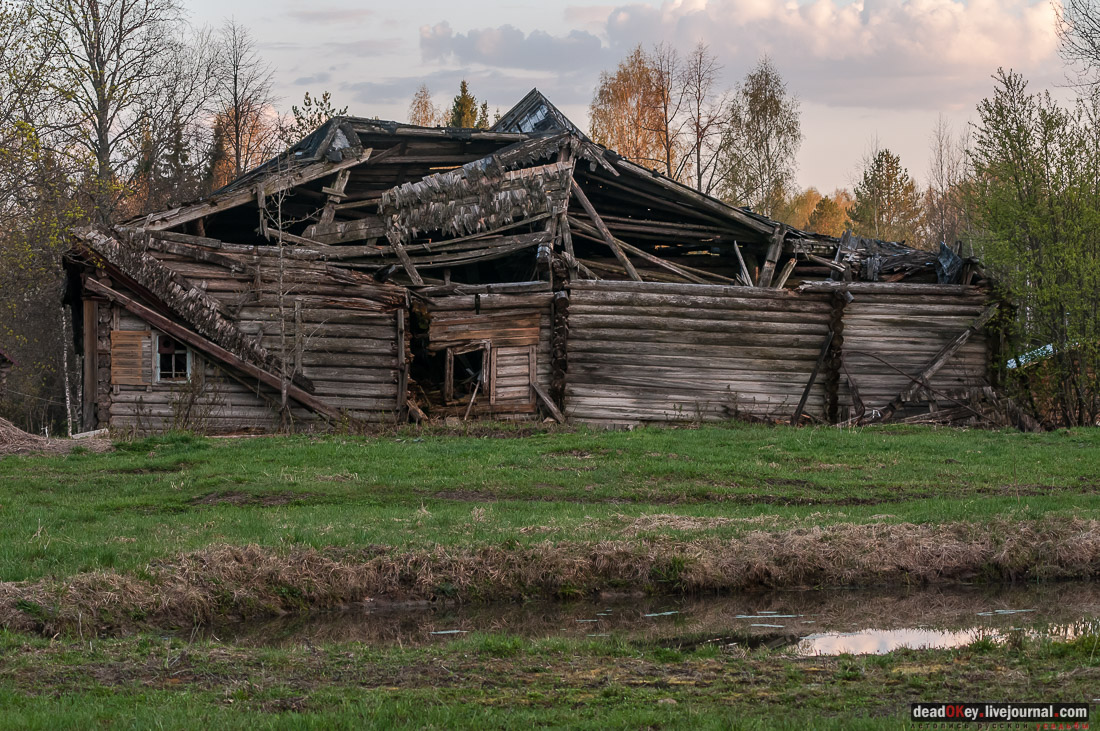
point(14, 440)
point(226, 581)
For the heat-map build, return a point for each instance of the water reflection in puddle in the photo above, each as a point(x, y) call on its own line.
point(804, 622)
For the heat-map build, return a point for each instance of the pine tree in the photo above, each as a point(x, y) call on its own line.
point(464, 108)
point(888, 205)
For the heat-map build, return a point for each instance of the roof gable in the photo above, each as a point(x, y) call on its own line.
point(535, 114)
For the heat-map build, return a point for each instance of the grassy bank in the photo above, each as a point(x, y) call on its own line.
point(157, 527)
point(501, 681)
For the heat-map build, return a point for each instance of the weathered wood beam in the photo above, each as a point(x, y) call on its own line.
point(689, 273)
point(548, 402)
point(335, 194)
point(214, 350)
point(746, 278)
point(406, 262)
point(271, 185)
point(775, 249)
point(684, 192)
point(786, 273)
point(607, 237)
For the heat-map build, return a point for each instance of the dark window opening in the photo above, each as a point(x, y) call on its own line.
point(172, 359)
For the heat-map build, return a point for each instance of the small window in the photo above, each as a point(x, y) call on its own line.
point(173, 359)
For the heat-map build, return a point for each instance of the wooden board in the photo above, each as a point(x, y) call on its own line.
point(131, 357)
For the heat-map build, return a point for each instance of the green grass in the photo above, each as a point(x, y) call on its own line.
point(494, 681)
point(156, 497)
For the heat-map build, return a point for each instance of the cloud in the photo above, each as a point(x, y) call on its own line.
point(330, 16)
point(509, 47)
point(874, 53)
point(500, 89)
point(321, 77)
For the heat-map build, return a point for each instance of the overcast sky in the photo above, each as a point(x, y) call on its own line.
point(863, 70)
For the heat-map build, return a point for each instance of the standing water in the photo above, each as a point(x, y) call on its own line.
point(863, 621)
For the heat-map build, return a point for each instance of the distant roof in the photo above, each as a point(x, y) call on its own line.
point(533, 114)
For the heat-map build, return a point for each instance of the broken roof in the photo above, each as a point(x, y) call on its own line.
point(357, 190)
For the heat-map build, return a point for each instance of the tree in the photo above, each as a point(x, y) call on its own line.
point(795, 210)
point(422, 111)
point(706, 117)
point(464, 108)
point(945, 210)
point(671, 95)
point(483, 116)
point(828, 218)
point(624, 114)
point(37, 208)
point(887, 203)
point(244, 100)
point(761, 141)
point(115, 59)
point(313, 113)
point(1035, 194)
point(1079, 32)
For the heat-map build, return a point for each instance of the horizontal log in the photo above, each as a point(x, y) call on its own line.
point(612, 383)
point(487, 302)
point(898, 288)
point(695, 290)
point(644, 299)
point(655, 324)
point(682, 363)
point(706, 315)
point(332, 345)
point(355, 360)
point(696, 337)
point(318, 315)
point(599, 345)
point(712, 371)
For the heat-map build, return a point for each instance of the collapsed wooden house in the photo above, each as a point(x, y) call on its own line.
point(379, 271)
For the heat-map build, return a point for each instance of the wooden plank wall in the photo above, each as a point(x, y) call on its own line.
point(339, 338)
point(640, 351)
point(645, 352)
point(505, 320)
point(221, 405)
point(888, 328)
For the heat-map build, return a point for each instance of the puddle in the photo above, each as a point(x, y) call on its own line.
point(866, 621)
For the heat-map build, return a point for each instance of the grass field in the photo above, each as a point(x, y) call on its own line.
point(500, 681)
point(106, 549)
point(158, 497)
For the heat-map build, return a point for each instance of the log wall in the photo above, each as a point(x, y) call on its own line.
point(336, 334)
point(647, 352)
point(641, 352)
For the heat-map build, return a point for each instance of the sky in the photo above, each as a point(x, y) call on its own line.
point(865, 72)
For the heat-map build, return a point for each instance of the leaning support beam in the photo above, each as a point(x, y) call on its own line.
point(775, 248)
point(548, 402)
point(797, 417)
point(686, 272)
point(604, 232)
point(786, 273)
point(215, 351)
point(276, 183)
point(938, 361)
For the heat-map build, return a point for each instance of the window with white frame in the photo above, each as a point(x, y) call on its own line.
point(173, 359)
